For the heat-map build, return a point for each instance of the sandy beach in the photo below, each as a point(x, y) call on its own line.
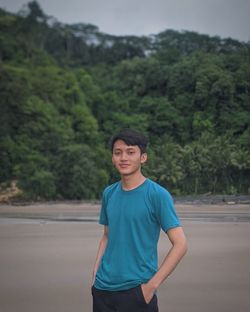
point(47, 253)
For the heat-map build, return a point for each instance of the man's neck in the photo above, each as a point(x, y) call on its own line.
point(130, 182)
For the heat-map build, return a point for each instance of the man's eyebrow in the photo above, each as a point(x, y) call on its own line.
point(130, 149)
point(127, 148)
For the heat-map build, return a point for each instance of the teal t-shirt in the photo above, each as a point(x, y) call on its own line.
point(134, 219)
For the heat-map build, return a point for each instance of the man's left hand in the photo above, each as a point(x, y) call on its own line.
point(148, 292)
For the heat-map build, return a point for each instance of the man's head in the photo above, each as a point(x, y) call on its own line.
point(128, 151)
point(130, 137)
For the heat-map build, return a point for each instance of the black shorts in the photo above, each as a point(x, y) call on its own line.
point(131, 300)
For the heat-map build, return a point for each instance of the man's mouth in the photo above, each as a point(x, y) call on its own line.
point(123, 165)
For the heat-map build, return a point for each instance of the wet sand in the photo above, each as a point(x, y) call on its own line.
point(45, 265)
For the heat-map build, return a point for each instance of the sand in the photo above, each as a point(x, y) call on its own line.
point(45, 265)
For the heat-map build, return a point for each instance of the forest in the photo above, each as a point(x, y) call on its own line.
point(65, 89)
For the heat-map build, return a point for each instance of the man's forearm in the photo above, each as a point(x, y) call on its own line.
point(169, 264)
point(100, 252)
point(178, 250)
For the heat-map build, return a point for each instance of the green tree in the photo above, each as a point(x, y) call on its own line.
point(77, 176)
point(165, 165)
point(85, 125)
point(34, 176)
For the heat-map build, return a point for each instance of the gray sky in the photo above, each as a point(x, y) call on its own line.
point(225, 18)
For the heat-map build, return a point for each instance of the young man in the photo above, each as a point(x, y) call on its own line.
point(133, 211)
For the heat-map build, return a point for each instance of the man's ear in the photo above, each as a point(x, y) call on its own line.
point(144, 158)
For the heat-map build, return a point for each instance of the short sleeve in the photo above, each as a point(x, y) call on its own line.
point(103, 219)
point(165, 210)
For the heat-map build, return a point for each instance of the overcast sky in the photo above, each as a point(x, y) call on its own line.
point(225, 18)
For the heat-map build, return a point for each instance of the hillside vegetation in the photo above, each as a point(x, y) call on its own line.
point(65, 89)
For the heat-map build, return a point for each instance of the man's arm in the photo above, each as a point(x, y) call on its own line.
point(100, 252)
point(177, 251)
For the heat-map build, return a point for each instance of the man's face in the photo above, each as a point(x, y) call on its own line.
point(127, 158)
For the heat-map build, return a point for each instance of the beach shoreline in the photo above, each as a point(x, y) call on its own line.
point(89, 211)
point(46, 265)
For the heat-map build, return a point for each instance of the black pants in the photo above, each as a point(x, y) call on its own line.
point(131, 300)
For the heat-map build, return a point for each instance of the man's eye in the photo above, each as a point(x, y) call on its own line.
point(131, 153)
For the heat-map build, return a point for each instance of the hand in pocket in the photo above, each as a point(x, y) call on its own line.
point(147, 292)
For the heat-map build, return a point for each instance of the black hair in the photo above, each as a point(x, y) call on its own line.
point(130, 137)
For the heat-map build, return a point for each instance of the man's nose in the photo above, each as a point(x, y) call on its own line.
point(123, 156)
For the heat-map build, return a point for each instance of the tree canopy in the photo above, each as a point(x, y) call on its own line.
point(65, 89)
